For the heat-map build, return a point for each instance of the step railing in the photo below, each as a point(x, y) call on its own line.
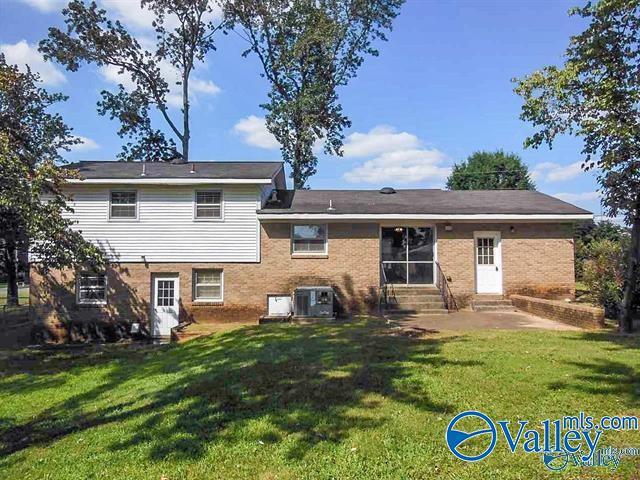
point(445, 291)
point(387, 293)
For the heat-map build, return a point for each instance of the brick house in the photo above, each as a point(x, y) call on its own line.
point(208, 241)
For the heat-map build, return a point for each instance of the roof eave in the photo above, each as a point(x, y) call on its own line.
point(171, 181)
point(480, 217)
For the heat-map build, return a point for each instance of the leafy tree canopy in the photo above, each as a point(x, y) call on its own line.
point(92, 37)
point(595, 95)
point(307, 50)
point(32, 200)
point(491, 171)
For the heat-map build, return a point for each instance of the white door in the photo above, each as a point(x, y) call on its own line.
point(488, 262)
point(165, 305)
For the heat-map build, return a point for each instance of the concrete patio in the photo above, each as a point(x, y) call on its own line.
point(468, 320)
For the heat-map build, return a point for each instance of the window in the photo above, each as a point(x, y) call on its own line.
point(209, 205)
point(485, 251)
point(92, 288)
point(309, 239)
point(123, 204)
point(207, 285)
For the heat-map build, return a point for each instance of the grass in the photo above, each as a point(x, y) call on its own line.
point(23, 295)
point(359, 400)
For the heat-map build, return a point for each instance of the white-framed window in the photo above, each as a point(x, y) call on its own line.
point(91, 288)
point(208, 285)
point(309, 239)
point(123, 204)
point(208, 205)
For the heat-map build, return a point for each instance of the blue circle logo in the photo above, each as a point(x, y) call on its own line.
point(456, 438)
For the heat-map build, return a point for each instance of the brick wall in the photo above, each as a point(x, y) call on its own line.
point(570, 313)
point(537, 259)
point(351, 267)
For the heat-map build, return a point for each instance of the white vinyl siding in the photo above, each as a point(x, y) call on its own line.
point(166, 230)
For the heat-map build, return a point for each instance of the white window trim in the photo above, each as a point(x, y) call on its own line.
point(91, 302)
point(194, 277)
point(195, 205)
point(124, 219)
point(324, 253)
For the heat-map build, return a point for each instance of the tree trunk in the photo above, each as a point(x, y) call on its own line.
point(186, 132)
point(10, 253)
point(631, 277)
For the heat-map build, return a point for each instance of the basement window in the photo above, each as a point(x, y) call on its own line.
point(91, 288)
point(208, 205)
point(207, 285)
point(309, 239)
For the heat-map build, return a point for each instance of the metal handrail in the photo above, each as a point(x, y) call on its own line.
point(384, 290)
point(445, 291)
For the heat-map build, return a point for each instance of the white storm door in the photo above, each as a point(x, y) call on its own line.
point(166, 308)
point(488, 262)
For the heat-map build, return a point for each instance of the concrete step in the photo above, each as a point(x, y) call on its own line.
point(494, 308)
point(412, 290)
point(402, 313)
point(492, 302)
point(487, 296)
point(413, 297)
point(415, 305)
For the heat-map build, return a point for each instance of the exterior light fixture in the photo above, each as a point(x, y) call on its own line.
point(448, 227)
point(512, 229)
point(398, 229)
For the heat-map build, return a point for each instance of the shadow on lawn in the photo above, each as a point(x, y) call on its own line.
point(303, 380)
point(604, 376)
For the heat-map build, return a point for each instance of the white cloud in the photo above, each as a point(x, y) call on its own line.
point(170, 73)
point(553, 172)
point(22, 53)
point(254, 132)
point(87, 144)
point(401, 166)
point(46, 6)
point(578, 197)
point(378, 140)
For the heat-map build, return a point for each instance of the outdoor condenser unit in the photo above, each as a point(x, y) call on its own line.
point(313, 302)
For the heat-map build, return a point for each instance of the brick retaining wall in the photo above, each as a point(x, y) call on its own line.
point(571, 313)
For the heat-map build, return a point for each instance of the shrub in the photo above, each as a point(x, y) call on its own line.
point(603, 274)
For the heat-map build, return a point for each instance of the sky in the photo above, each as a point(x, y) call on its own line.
point(440, 90)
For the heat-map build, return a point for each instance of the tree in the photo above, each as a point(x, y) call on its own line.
point(490, 171)
point(92, 37)
point(307, 49)
point(585, 233)
point(32, 201)
point(595, 96)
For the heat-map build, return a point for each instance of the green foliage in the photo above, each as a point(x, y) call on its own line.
point(307, 50)
point(92, 37)
point(603, 274)
point(595, 95)
point(587, 232)
point(491, 171)
point(32, 200)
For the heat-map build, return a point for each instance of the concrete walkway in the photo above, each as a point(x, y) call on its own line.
point(468, 320)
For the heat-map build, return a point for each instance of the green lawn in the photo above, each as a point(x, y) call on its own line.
point(323, 401)
point(23, 294)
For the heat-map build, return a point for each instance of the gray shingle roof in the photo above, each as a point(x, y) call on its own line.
point(214, 170)
point(407, 202)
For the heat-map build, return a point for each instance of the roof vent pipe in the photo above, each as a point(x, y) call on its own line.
point(387, 190)
point(144, 170)
point(193, 168)
point(331, 209)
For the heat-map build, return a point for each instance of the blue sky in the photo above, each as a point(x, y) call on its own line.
point(440, 89)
